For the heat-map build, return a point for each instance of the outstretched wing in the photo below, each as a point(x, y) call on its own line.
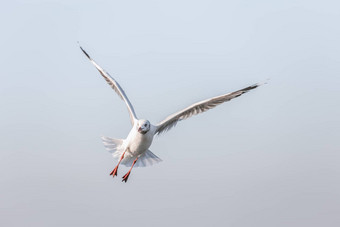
point(199, 107)
point(116, 87)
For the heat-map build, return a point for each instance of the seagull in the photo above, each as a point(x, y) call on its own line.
point(134, 150)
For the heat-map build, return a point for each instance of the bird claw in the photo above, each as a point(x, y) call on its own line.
point(114, 171)
point(126, 176)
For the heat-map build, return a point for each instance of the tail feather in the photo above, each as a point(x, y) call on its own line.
point(147, 159)
point(114, 146)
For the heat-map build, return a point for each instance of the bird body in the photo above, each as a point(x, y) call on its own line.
point(138, 143)
point(134, 150)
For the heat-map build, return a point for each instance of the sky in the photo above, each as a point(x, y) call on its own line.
point(268, 158)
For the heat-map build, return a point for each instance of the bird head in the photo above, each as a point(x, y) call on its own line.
point(143, 126)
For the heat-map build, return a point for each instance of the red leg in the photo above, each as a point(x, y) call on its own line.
point(126, 176)
point(115, 170)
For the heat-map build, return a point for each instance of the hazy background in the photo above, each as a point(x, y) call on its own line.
point(268, 158)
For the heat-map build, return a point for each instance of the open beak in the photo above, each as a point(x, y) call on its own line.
point(140, 130)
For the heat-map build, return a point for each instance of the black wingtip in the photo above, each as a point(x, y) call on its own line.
point(251, 87)
point(87, 55)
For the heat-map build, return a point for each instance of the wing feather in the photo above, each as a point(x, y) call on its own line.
point(199, 107)
point(115, 85)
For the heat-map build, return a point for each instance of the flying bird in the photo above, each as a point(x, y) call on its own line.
point(134, 150)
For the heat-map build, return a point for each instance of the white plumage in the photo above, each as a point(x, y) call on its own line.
point(134, 150)
point(117, 148)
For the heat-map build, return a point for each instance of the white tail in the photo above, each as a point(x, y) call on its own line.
point(114, 146)
point(147, 159)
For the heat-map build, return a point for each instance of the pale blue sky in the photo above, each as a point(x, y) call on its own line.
point(268, 158)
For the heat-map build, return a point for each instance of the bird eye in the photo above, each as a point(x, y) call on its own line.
point(144, 124)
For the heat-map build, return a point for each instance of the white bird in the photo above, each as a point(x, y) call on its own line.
point(134, 150)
